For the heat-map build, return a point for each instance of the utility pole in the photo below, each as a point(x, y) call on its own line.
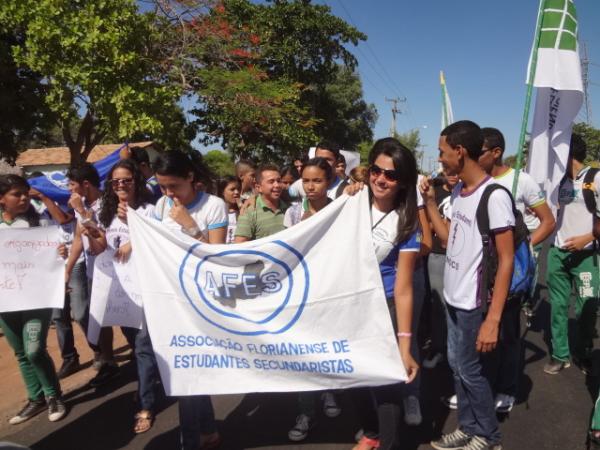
point(395, 110)
point(585, 63)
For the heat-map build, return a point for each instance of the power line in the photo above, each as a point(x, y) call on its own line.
point(389, 81)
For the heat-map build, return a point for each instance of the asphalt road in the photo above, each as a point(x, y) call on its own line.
point(553, 412)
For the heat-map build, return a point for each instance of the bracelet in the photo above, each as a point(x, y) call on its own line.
point(402, 334)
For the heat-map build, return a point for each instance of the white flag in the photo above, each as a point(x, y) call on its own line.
point(559, 95)
point(300, 310)
point(447, 114)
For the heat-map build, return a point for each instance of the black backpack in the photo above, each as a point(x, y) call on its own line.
point(524, 262)
point(588, 190)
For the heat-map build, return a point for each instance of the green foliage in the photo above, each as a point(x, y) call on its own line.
point(24, 117)
point(591, 137)
point(99, 65)
point(344, 116)
point(511, 161)
point(219, 163)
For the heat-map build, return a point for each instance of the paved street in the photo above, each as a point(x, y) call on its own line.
point(552, 412)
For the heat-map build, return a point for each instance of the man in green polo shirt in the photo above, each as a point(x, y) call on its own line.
point(266, 217)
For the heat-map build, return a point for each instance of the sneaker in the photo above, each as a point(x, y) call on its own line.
point(555, 366)
point(106, 373)
point(412, 411)
point(432, 360)
point(451, 402)
point(479, 443)
point(32, 408)
point(300, 430)
point(330, 406)
point(56, 409)
point(504, 403)
point(69, 367)
point(457, 440)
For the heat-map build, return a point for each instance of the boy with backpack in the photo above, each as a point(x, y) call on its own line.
point(472, 327)
point(502, 368)
point(573, 259)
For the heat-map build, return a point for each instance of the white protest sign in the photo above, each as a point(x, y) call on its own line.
point(301, 310)
point(32, 274)
point(112, 303)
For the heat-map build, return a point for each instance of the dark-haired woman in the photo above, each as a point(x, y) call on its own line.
point(204, 217)
point(229, 189)
point(396, 235)
point(26, 331)
point(126, 188)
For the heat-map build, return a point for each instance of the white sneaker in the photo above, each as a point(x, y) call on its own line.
point(451, 402)
point(330, 406)
point(412, 411)
point(504, 403)
point(300, 430)
point(430, 363)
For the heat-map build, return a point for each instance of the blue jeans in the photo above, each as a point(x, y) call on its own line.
point(502, 366)
point(476, 413)
point(77, 305)
point(196, 417)
point(147, 368)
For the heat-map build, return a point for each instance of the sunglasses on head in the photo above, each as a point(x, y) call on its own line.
point(389, 175)
point(116, 182)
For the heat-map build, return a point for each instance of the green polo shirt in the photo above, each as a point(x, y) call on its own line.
point(261, 220)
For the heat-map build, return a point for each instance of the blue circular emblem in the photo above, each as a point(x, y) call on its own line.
point(247, 292)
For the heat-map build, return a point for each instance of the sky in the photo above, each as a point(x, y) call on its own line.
point(482, 46)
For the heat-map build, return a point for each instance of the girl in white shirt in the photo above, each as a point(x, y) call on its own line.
point(229, 189)
point(27, 331)
point(126, 188)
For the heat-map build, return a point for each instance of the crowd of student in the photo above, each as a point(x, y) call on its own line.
point(427, 242)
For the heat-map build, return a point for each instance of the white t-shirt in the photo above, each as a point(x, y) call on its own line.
point(19, 222)
point(89, 258)
point(528, 195)
point(296, 189)
point(67, 230)
point(384, 229)
point(231, 226)
point(573, 219)
point(117, 232)
point(208, 211)
point(465, 249)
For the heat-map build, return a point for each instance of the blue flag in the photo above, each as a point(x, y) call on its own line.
point(55, 184)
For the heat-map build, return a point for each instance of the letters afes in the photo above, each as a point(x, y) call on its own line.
point(247, 285)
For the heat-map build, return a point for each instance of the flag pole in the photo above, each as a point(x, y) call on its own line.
point(530, 79)
point(444, 107)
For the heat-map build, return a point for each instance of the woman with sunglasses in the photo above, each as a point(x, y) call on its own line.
point(392, 185)
point(126, 188)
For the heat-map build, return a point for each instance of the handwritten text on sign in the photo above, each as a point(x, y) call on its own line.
point(32, 274)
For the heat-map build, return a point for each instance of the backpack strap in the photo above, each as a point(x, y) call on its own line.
point(588, 190)
point(487, 258)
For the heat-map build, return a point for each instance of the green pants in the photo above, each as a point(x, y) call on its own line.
point(26, 332)
point(564, 269)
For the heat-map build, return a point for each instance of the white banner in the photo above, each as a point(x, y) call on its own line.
point(114, 299)
point(301, 310)
point(32, 274)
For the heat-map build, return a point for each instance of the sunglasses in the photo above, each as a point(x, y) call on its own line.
point(389, 175)
point(116, 182)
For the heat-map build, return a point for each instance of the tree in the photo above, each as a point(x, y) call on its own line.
point(219, 163)
point(344, 116)
point(99, 66)
point(260, 70)
point(410, 139)
point(24, 117)
point(591, 137)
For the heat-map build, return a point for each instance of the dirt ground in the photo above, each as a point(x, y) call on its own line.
point(12, 390)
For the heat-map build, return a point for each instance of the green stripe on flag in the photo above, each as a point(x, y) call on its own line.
point(559, 25)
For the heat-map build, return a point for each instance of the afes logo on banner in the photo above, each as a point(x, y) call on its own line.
point(247, 292)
